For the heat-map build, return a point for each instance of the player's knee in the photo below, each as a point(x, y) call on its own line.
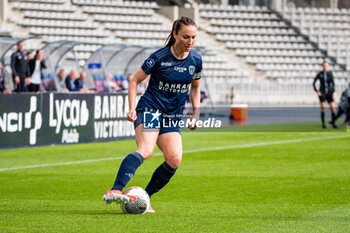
point(174, 161)
point(145, 153)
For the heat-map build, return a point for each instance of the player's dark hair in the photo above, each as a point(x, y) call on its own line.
point(177, 25)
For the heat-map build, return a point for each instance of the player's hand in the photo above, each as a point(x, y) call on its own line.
point(17, 79)
point(319, 93)
point(27, 81)
point(131, 115)
point(334, 95)
point(193, 124)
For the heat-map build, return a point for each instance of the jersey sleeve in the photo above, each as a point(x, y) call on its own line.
point(198, 73)
point(149, 64)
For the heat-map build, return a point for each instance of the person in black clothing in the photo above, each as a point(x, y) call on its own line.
point(70, 81)
point(36, 65)
point(20, 68)
point(3, 81)
point(79, 83)
point(326, 92)
point(344, 106)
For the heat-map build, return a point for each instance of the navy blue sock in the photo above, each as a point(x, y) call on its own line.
point(127, 170)
point(160, 178)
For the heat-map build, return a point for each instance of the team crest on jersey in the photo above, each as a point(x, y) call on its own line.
point(150, 62)
point(191, 69)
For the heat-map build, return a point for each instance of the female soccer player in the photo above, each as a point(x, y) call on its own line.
point(173, 69)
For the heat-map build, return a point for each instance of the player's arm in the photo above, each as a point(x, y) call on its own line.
point(28, 74)
point(195, 99)
point(314, 85)
point(139, 77)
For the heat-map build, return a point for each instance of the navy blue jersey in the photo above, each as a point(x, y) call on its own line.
point(170, 80)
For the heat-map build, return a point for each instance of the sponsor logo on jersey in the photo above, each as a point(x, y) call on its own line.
point(165, 64)
point(173, 87)
point(150, 62)
point(180, 69)
point(191, 69)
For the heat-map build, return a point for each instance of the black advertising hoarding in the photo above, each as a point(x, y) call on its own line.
point(110, 122)
point(59, 118)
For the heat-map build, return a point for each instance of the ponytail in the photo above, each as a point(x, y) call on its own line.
point(177, 25)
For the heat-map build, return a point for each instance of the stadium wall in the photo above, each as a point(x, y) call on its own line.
point(58, 118)
point(312, 3)
point(344, 4)
point(3, 7)
point(171, 12)
point(174, 12)
point(321, 3)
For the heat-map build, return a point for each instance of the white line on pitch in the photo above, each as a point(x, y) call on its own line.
point(188, 151)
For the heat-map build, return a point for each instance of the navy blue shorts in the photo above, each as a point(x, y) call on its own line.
point(164, 128)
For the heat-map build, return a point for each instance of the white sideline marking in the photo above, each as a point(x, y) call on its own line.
point(184, 152)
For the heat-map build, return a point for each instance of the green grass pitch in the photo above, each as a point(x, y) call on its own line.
point(227, 182)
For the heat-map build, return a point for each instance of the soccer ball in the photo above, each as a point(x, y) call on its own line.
point(138, 206)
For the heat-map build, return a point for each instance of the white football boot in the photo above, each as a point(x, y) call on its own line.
point(116, 196)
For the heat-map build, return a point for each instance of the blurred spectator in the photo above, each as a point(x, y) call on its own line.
point(125, 83)
point(60, 82)
point(35, 67)
point(110, 85)
point(143, 86)
point(20, 68)
point(29, 56)
point(3, 81)
point(70, 81)
point(79, 83)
